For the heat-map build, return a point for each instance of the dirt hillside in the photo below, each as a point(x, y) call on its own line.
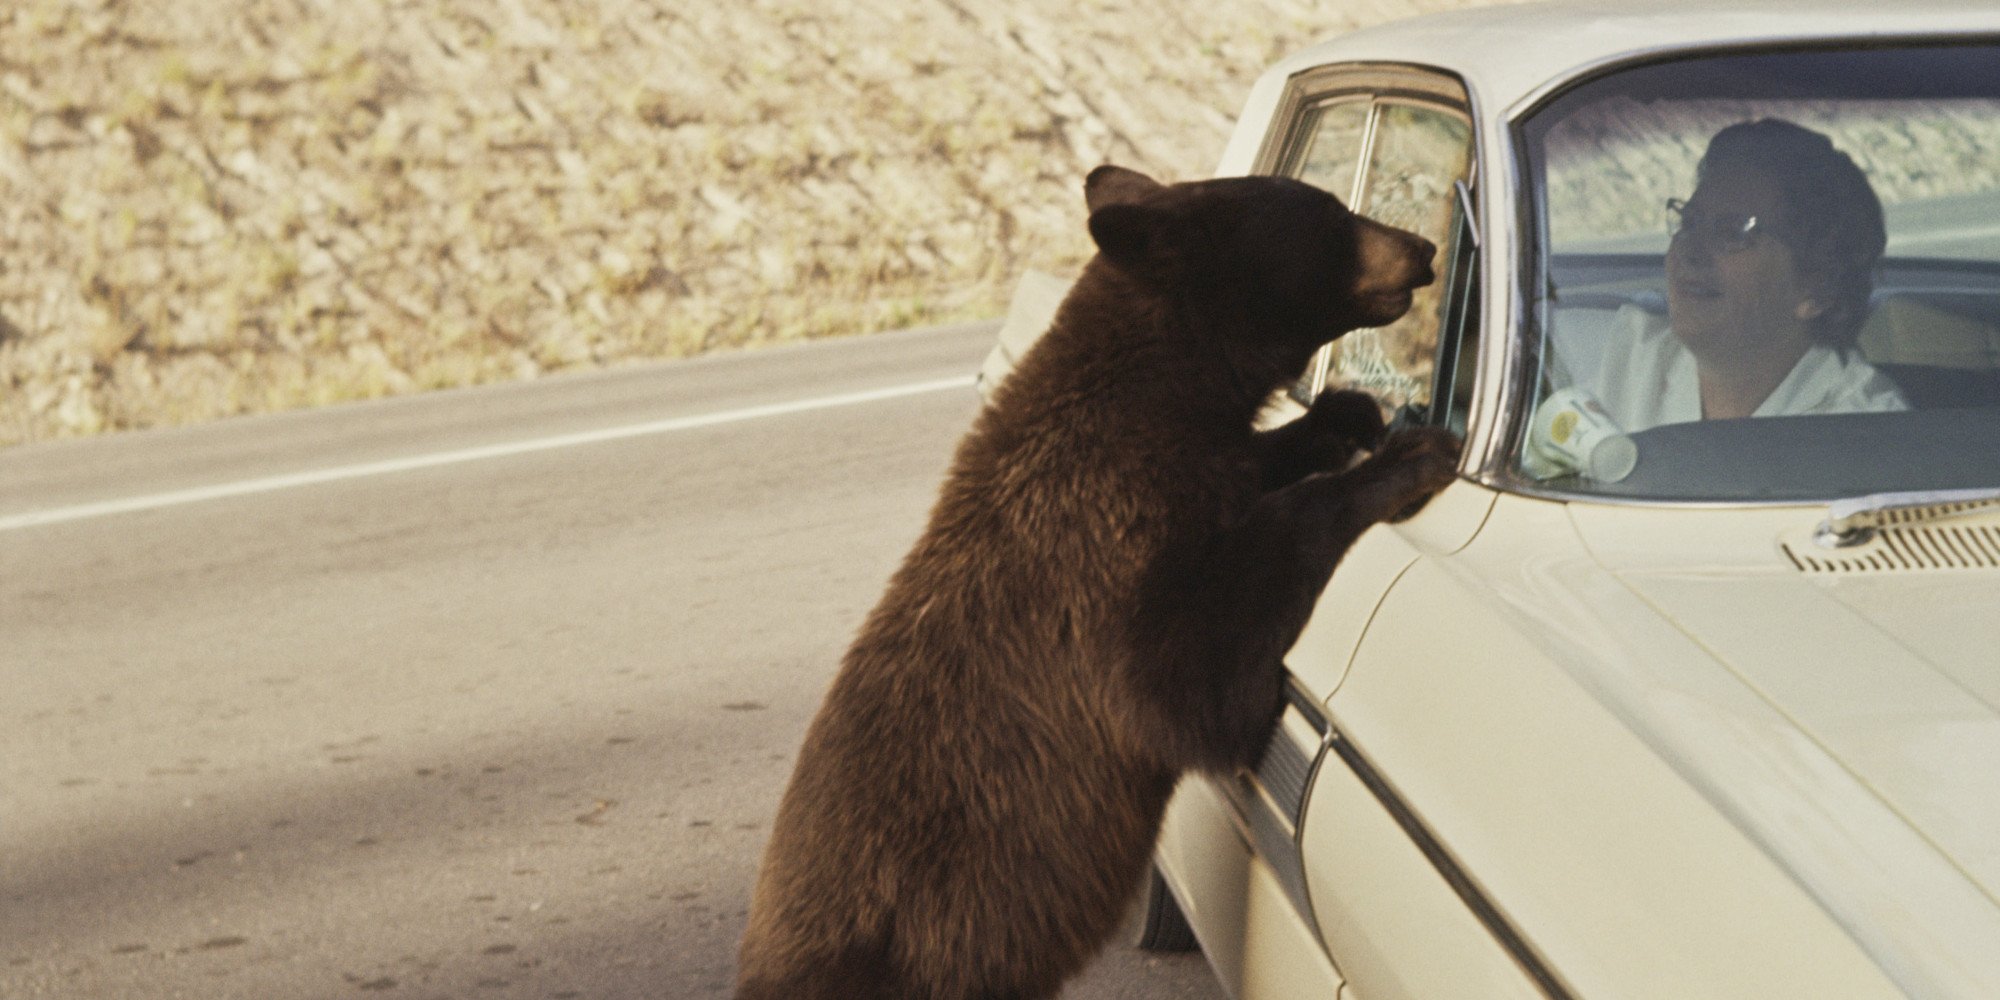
point(247, 205)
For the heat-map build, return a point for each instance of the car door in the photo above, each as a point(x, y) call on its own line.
point(1397, 144)
point(1420, 720)
point(1370, 874)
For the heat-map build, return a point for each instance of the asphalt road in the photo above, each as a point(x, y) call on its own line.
point(481, 694)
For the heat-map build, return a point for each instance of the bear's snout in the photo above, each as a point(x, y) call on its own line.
point(1393, 258)
point(1394, 263)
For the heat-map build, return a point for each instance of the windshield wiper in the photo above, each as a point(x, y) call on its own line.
point(1853, 521)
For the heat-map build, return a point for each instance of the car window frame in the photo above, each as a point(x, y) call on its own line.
point(1516, 384)
point(1386, 85)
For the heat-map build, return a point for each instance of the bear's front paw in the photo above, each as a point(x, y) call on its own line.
point(1349, 415)
point(1423, 459)
point(1339, 426)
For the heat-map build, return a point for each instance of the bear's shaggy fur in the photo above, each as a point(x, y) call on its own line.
point(1114, 568)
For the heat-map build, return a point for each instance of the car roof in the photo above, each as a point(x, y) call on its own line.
point(1508, 54)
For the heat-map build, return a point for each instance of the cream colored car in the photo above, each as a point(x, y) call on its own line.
point(1645, 705)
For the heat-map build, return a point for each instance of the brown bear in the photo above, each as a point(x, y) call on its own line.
point(1116, 563)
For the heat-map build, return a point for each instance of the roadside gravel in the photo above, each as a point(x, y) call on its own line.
point(251, 205)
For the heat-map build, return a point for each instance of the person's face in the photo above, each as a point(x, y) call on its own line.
point(1733, 298)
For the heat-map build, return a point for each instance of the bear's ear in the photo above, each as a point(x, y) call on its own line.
point(1109, 185)
point(1134, 237)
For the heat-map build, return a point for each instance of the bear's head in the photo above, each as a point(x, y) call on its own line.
point(1285, 257)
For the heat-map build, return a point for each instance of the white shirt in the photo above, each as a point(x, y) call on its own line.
point(1648, 378)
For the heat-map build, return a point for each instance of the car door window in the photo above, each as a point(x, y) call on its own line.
point(1401, 162)
point(1329, 157)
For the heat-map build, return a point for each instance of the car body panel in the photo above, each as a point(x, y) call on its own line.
point(1873, 780)
point(1400, 929)
point(1319, 659)
point(1257, 942)
point(1847, 677)
point(1930, 621)
point(1624, 874)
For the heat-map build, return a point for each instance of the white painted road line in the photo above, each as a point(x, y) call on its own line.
point(268, 484)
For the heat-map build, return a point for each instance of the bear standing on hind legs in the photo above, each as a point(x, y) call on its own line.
point(1115, 565)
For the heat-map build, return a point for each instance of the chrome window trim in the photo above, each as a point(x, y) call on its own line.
point(1364, 79)
point(1502, 385)
point(1489, 915)
point(1495, 189)
point(1576, 76)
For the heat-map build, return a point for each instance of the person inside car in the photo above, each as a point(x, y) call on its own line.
point(1768, 277)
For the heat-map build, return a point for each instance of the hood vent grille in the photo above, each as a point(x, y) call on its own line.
point(1903, 549)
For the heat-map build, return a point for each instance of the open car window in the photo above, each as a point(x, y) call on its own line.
point(1711, 320)
point(1401, 159)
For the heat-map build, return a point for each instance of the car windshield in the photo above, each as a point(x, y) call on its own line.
point(1767, 276)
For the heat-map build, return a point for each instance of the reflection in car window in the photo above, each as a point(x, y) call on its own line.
point(1330, 157)
point(1414, 157)
point(1419, 153)
point(1791, 235)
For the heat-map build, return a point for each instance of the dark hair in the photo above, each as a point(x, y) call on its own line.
point(1833, 220)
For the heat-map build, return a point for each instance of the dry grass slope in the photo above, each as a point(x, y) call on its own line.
point(250, 205)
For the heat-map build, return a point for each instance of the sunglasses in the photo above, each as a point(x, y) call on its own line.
point(1726, 232)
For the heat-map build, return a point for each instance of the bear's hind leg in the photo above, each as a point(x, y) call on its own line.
point(857, 974)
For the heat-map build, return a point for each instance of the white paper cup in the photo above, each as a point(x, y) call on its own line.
point(1571, 433)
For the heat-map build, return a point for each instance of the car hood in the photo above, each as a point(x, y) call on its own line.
point(1898, 678)
point(1884, 674)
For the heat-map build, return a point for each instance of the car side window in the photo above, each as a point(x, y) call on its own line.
point(1400, 161)
point(1329, 157)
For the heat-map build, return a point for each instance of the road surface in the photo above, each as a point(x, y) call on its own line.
point(485, 693)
